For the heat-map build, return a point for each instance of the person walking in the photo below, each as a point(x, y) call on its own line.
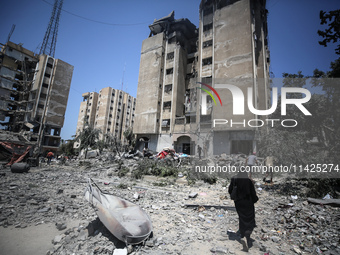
point(250, 162)
point(244, 203)
point(49, 157)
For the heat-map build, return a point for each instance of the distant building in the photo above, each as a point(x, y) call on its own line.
point(229, 46)
point(34, 92)
point(110, 110)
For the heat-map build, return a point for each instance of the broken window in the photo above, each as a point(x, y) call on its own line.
point(166, 123)
point(208, 11)
point(169, 71)
point(191, 60)
point(207, 43)
point(207, 80)
point(170, 56)
point(207, 27)
point(167, 105)
point(207, 61)
point(167, 88)
point(172, 40)
point(190, 119)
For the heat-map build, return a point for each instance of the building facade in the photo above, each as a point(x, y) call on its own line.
point(34, 93)
point(175, 107)
point(110, 110)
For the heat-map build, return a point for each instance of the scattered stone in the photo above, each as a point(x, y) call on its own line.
point(123, 251)
point(220, 250)
point(57, 239)
point(193, 195)
point(61, 226)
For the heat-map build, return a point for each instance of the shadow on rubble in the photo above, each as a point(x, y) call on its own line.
point(96, 226)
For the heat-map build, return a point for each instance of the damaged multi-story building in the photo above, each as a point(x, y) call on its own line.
point(34, 92)
point(184, 68)
point(111, 111)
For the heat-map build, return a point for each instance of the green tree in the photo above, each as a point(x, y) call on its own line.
point(66, 148)
point(332, 33)
point(130, 137)
point(88, 138)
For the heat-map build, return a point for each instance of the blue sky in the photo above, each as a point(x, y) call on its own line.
point(101, 51)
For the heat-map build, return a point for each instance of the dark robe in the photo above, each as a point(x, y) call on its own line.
point(246, 197)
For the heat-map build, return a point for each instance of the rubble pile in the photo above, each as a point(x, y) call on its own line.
point(186, 218)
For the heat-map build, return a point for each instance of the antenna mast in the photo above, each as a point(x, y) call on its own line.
point(50, 39)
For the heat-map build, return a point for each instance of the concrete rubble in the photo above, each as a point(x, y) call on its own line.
point(54, 194)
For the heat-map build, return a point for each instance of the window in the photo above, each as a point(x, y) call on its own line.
point(207, 11)
point(167, 88)
point(191, 60)
point(167, 105)
point(166, 123)
point(207, 27)
point(169, 71)
point(170, 56)
point(207, 43)
point(172, 40)
point(207, 61)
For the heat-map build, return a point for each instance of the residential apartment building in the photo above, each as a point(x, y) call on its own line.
point(110, 110)
point(175, 108)
point(34, 92)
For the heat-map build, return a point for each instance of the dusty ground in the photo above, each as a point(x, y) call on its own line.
point(32, 203)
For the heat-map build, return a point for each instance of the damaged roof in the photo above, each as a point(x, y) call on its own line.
point(169, 25)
